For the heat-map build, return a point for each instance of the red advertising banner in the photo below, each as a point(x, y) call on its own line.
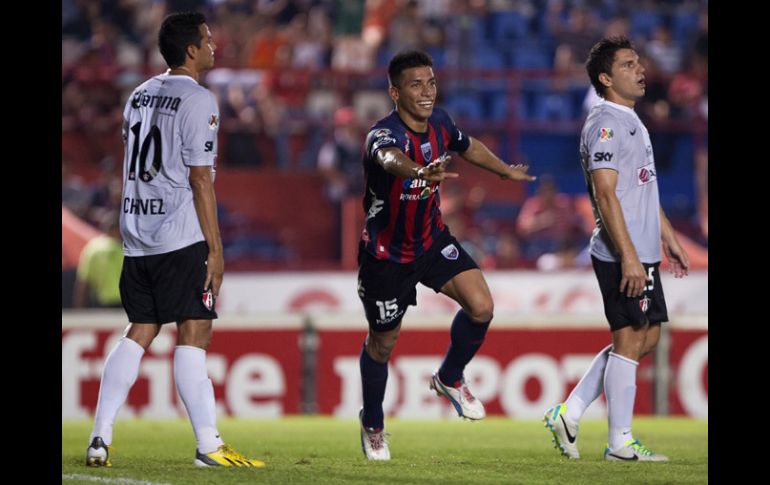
point(519, 372)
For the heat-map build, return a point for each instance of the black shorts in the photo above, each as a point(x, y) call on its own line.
point(622, 311)
point(167, 287)
point(386, 288)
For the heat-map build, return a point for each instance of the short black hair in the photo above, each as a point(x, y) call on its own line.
point(406, 60)
point(601, 57)
point(177, 32)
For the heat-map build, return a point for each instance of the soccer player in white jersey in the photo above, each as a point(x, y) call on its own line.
point(619, 168)
point(173, 264)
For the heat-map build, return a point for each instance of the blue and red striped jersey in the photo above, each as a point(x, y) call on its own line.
point(403, 217)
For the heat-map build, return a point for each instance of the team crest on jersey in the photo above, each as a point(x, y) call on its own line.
point(605, 134)
point(646, 174)
point(644, 304)
point(208, 299)
point(427, 151)
point(213, 122)
point(451, 252)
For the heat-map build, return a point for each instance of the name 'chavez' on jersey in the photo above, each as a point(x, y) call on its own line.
point(169, 124)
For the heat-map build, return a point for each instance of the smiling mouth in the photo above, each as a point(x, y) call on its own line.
point(425, 104)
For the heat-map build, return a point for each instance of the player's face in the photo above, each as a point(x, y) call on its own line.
point(416, 93)
point(206, 51)
point(627, 83)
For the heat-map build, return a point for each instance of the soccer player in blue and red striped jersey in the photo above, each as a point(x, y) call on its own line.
point(405, 242)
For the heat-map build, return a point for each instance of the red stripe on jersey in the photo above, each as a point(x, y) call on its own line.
point(384, 238)
point(445, 136)
point(410, 208)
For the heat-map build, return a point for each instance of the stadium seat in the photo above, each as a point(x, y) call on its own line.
point(507, 26)
point(464, 106)
point(643, 22)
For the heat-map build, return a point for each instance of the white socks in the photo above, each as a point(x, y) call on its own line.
point(589, 388)
point(620, 389)
point(121, 368)
point(197, 393)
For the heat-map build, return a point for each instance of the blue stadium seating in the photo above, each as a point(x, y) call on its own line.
point(508, 26)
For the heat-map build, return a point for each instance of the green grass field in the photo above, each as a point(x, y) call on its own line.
point(324, 450)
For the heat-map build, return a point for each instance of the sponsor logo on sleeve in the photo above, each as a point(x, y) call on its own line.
point(603, 157)
point(605, 134)
point(381, 132)
point(213, 122)
point(646, 174)
point(385, 140)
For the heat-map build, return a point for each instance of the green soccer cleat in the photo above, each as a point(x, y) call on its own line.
point(564, 430)
point(633, 450)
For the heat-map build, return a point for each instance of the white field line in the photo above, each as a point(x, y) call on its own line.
point(119, 480)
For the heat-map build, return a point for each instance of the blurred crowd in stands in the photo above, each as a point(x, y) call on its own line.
point(300, 81)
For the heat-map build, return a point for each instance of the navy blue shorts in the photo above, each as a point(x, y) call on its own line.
point(167, 287)
point(622, 311)
point(386, 288)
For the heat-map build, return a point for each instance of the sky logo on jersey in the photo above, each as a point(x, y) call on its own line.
point(605, 134)
point(427, 151)
point(213, 122)
point(646, 174)
point(451, 252)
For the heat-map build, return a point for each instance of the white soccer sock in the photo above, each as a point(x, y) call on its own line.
point(589, 388)
point(620, 388)
point(121, 368)
point(197, 393)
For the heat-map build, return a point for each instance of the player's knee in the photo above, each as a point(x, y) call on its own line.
point(649, 347)
point(381, 346)
point(143, 334)
point(482, 310)
point(195, 333)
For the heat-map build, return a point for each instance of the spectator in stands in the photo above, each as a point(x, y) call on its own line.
point(619, 166)
point(548, 221)
point(689, 89)
point(702, 189)
point(664, 51)
point(339, 163)
point(75, 195)
point(405, 241)
point(105, 194)
point(101, 260)
point(240, 119)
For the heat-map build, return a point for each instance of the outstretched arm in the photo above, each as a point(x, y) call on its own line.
point(677, 257)
point(479, 155)
point(634, 279)
point(396, 163)
point(206, 207)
